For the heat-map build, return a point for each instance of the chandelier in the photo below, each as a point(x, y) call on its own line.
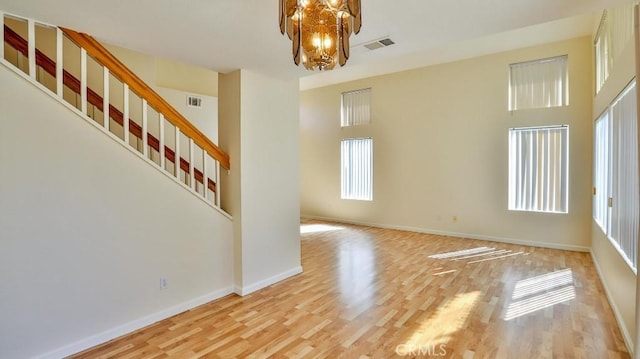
point(320, 30)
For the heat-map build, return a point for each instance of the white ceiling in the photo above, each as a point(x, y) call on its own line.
point(225, 35)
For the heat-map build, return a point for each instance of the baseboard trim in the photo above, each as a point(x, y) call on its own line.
point(616, 312)
point(566, 247)
point(133, 326)
point(267, 282)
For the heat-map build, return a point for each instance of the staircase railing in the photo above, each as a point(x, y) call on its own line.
point(169, 159)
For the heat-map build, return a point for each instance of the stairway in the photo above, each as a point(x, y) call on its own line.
point(76, 69)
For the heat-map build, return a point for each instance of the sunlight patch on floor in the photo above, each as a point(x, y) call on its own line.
point(477, 255)
point(541, 292)
point(448, 319)
point(445, 272)
point(317, 228)
point(505, 255)
point(462, 253)
point(542, 283)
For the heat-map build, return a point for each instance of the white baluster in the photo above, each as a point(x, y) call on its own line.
point(192, 173)
point(125, 113)
point(105, 98)
point(161, 144)
point(217, 184)
point(145, 140)
point(83, 81)
point(177, 156)
point(2, 35)
point(32, 47)
point(59, 63)
point(205, 177)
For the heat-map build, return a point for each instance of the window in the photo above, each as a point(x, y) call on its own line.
point(357, 169)
point(356, 108)
point(603, 52)
point(538, 169)
point(538, 84)
point(601, 170)
point(614, 34)
point(615, 200)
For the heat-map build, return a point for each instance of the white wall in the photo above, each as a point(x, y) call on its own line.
point(204, 118)
point(259, 118)
point(87, 229)
point(618, 278)
point(440, 137)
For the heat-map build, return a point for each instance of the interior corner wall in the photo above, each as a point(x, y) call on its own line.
point(270, 160)
point(174, 81)
point(261, 116)
point(617, 277)
point(440, 137)
point(185, 77)
point(87, 228)
point(229, 127)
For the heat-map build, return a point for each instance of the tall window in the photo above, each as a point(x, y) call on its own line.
point(356, 108)
point(539, 84)
point(357, 168)
point(538, 169)
point(615, 202)
point(603, 52)
point(601, 170)
point(613, 36)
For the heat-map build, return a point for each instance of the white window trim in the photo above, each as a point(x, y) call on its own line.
point(355, 107)
point(350, 176)
point(520, 202)
point(524, 96)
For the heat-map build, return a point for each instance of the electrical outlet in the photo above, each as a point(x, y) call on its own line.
point(164, 283)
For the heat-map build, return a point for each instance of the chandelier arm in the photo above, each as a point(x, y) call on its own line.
point(289, 28)
point(343, 42)
point(296, 40)
point(357, 23)
point(290, 7)
point(283, 18)
point(353, 7)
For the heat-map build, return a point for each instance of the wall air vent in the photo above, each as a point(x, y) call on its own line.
point(379, 44)
point(194, 101)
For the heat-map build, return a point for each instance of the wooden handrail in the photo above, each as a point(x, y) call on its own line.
point(118, 69)
point(16, 41)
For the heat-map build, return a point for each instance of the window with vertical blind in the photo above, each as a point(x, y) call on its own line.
point(357, 169)
point(613, 36)
point(356, 108)
point(539, 84)
point(538, 169)
point(616, 195)
point(602, 46)
point(601, 172)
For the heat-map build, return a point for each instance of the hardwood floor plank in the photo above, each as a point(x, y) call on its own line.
point(376, 293)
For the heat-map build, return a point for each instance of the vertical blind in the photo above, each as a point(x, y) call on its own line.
point(623, 223)
point(356, 108)
point(613, 36)
point(357, 168)
point(538, 169)
point(538, 84)
point(601, 171)
point(603, 52)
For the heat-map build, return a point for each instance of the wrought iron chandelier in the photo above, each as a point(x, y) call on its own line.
point(320, 30)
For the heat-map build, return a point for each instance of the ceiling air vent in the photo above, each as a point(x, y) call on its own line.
point(194, 101)
point(379, 44)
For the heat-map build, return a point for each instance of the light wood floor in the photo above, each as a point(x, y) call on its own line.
point(377, 293)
